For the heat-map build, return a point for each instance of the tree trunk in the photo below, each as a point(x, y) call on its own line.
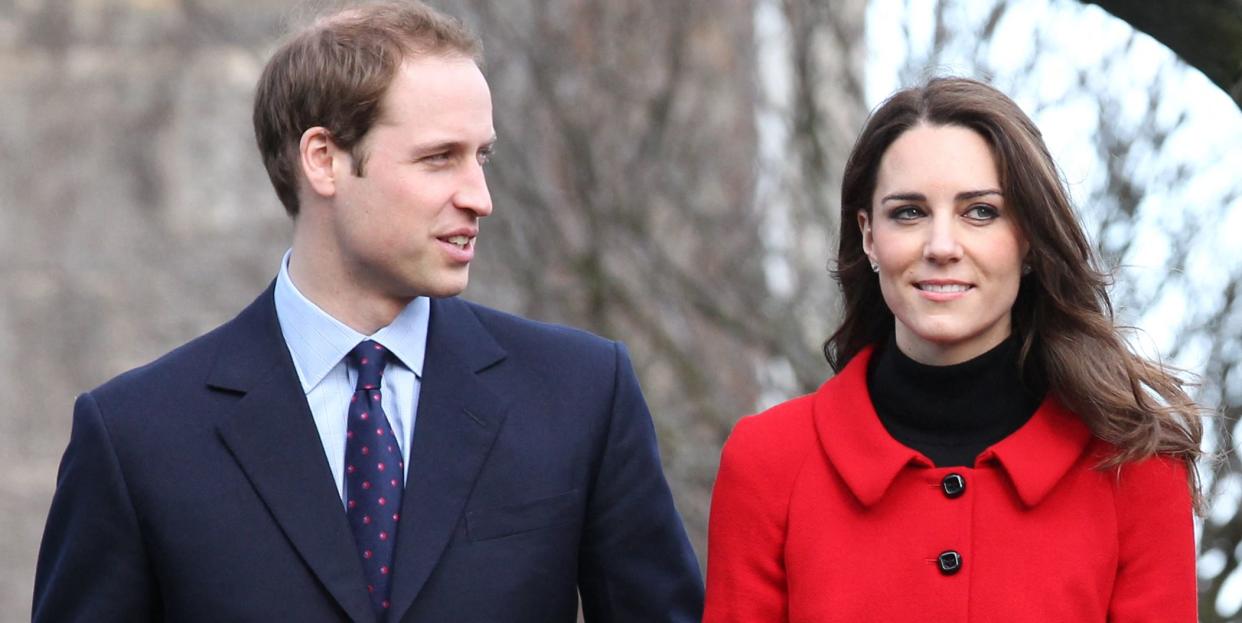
point(1207, 34)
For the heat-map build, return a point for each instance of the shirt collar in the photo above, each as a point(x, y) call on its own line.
point(317, 341)
point(1035, 457)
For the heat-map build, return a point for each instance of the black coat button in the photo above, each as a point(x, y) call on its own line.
point(953, 485)
point(950, 562)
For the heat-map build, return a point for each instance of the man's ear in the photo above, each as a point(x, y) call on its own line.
point(316, 155)
point(864, 225)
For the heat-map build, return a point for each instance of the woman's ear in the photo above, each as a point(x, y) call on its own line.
point(1027, 268)
point(864, 225)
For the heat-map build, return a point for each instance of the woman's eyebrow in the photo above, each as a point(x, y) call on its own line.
point(962, 196)
point(975, 194)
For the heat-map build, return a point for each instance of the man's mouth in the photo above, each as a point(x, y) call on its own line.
point(459, 241)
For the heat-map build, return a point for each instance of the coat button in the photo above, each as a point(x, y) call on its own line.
point(950, 562)
point(953, 485)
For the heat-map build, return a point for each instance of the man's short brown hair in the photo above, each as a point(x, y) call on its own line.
point(334, 74)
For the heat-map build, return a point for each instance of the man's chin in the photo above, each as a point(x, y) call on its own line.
point(445, 288)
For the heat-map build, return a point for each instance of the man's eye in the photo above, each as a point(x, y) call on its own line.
point(437, 158)
point(485, 155)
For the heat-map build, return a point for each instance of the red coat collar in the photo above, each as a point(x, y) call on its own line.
point(1035, 457)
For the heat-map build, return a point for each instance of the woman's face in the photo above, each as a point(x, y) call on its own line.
point(948, 248)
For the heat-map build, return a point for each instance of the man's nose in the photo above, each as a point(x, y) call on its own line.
point(472, 194)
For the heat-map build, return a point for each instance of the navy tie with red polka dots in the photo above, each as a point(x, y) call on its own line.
point(374, 473)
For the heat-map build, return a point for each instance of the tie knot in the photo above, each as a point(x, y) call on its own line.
point(370, 358)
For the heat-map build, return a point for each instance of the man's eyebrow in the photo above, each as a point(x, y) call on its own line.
point(450, 145)
point(962, 196)
point(437, 146)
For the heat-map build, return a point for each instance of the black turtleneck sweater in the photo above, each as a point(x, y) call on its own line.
point(951, 413)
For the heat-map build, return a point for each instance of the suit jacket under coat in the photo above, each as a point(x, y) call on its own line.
point(818, 514)
point(196, 489)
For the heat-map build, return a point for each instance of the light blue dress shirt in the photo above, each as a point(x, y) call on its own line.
point(319, 343)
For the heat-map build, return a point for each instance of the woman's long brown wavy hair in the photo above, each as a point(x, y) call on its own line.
point(1062, 315)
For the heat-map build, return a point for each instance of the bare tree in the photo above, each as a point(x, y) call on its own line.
point(630, 203)
point(136, 213)
point(627, 186)
point(1207, 34)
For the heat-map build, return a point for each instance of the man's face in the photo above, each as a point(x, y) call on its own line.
point(407, 227)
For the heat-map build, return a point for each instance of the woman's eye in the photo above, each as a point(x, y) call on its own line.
point(905, 213)
point(982, 212)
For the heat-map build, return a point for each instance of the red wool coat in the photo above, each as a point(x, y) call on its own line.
point(818, 514)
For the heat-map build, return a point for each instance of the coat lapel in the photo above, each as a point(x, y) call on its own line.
point(273, 437)
point(458, 419)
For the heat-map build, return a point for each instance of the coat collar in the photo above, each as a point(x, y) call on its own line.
point(1035, 457)
point(272, 436)
point(459, 416)
point(1040, 453)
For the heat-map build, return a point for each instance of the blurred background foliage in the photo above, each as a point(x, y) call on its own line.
point(668, 175)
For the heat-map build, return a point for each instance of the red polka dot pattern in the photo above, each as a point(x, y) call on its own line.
point(369, 486)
